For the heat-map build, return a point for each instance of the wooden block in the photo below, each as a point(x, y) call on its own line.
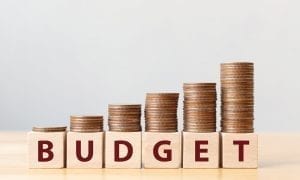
point(161, 150)
point(46, 149)
point(85, 150)
point(123, 149)
point(201, 150)
point(239, 150)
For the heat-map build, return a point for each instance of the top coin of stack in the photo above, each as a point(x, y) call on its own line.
point(86, 123)
point(124, 118)
point(49, 129)
point(237, 106)
point(199, 107)
point(161, 112)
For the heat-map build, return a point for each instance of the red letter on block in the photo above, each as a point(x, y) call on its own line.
point(117, 151)
point(42, 150)
point(90, 151)
point(168, 152)
point(198, 151)
point(241, 148)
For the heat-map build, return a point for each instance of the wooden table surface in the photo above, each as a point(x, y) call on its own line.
point(279, 157)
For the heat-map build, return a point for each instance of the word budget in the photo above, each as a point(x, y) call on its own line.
point(161, 145)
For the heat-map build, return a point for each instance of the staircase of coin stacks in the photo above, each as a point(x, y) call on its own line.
point(161, 145)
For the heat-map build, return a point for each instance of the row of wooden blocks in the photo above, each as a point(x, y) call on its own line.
point(142, 149)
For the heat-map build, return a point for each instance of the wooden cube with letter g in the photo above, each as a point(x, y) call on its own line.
point(161, 150)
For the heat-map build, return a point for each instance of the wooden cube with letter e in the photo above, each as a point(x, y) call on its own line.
point(201, 150)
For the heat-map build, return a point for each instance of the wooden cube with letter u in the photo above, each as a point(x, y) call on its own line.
point(46, 149)
point(239, 150)
point(123, 149)
point(201, 150)
point(85, 150)
point(161, 150)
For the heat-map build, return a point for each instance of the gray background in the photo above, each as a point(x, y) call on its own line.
point(63, 57)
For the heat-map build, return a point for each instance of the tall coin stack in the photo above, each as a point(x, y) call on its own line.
point(161, 112)
point(124, 118)
point(199, 107)
point(86, 123)
point(237, 99)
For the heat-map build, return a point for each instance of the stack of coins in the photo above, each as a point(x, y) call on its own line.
point(86, 123)
point(124, 118)
point(199, 107)
point(161, 112)
point(237, 106)
point(49, 129)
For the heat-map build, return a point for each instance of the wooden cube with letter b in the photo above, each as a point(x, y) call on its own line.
point(46, 147)
point(239, 150)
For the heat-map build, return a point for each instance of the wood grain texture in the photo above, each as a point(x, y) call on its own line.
point(58, 140)
point(230, 151)
point(97, 138)
point(134, 138)
point(148, 142)
point(279, 158)
point(213, 150)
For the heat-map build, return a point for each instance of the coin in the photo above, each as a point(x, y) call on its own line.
point(237, 97)
point(86, 123)
point(124, 117)
point(199, 107)
point(161, 112)
point(49, 129)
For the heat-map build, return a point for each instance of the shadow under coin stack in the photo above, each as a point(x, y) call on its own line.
point(124, 118)
point(86, 123)
point(161, 112)
point(199, 107)
point(237, 99)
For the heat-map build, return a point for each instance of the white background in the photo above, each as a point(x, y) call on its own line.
point(61, 57)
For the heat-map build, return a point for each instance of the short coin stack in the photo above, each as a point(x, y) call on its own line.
point(199, 107)
point(49, 129)
point(161, 112)
point(237, 99)
point(124, 118)
point(86, 123)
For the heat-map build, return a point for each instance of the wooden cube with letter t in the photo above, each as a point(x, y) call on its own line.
point(46, 147)
point(123, 149)
point(239, 150)
point(161, 150)
point(85, 150)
